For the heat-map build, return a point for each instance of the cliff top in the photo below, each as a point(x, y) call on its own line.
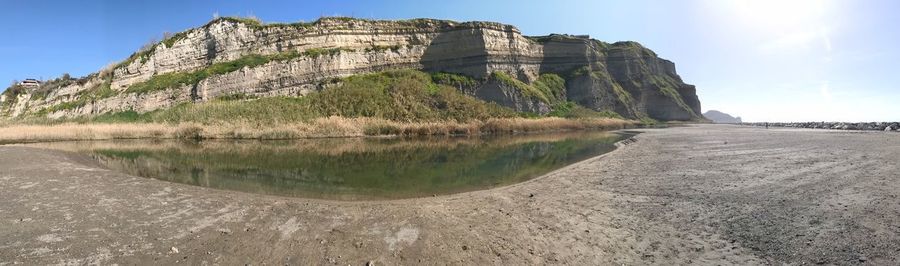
point(343, 23)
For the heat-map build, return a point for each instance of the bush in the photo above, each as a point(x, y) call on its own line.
point(171, 80)
point(527, 90)
point(402, 95)
point(236, 97)
point(194, 132)
point(455, 80)
point(552, 86)
point(381, 128)
point(573, 110)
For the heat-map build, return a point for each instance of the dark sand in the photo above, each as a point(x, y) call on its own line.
point(698, 194)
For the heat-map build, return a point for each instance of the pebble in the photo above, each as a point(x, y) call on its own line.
point(174, 250)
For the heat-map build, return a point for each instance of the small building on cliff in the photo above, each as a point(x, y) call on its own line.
point(30, 83)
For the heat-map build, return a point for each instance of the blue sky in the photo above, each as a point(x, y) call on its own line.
point(764, 60)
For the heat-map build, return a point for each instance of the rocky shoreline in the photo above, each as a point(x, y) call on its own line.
point(880, 126)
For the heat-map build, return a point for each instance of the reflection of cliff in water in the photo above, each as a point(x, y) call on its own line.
point(350, 169)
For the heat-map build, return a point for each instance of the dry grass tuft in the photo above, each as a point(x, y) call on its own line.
point(316, 128)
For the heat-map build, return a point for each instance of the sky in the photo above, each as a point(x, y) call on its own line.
point(763, 60)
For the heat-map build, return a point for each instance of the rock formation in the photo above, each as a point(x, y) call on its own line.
point(721, 118)
point(230, 56)
point(879, 126)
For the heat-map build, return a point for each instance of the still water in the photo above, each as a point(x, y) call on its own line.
point(349, 168)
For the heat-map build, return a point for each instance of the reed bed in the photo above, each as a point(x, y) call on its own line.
point(316, 128)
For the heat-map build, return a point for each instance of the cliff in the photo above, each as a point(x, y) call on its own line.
point(233, 56)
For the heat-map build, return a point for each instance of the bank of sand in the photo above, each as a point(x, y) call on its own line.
point(697, 194)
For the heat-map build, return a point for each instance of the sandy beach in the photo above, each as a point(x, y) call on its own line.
point(704, 194)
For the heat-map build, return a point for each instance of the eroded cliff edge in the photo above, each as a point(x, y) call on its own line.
point(233, 56)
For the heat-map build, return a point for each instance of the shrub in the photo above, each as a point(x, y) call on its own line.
point(402, 95)
point(174, 79)
point(170, 40)
point(552, 86)
point(455, 80)
point(189, 132)
point(573, 110)
point(381, 128)
point(236, 97)
point(98, 92)
point(382, 48)
point(527, 90)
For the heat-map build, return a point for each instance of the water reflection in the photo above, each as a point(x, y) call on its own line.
point(348, 169)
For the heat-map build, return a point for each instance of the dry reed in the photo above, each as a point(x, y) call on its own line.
point(317, 128)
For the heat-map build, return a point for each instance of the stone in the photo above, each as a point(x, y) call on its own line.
point(174, 250)
point(888, 128)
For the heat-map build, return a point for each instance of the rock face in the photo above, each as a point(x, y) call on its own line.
point(301, 58)
point(721, 118)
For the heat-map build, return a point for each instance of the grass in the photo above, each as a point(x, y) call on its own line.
point(666, 87)
point(315, 128)
point(316, 52)
point(40, 93)
point(382, 48)
point(402, 95)
point(400, 24)
point(573, 110)
point(98, 92)
point(548, 88)
point(237, 97)
point(648, 122)
point(400, 102)
point(174, 79)
point(552, 86)
point(12, 95)
point(169, 42)
point(527, 90)
point(49, 86)
point(455, 80)
point(399, 95)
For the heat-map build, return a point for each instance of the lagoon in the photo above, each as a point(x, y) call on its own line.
point(348, 168)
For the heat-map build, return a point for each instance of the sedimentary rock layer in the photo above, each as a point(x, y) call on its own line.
point(300, 58)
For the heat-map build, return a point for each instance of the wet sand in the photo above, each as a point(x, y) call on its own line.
point(703, 194)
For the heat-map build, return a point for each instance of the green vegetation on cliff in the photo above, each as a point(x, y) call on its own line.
point(573, 110)
point(401, 95)
point(548, 88)
point(97, 92)
point(667, 87)
point(174, 79)
point(455, 80)
point(551, 85)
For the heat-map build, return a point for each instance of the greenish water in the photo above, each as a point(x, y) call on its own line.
point(349, 169)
